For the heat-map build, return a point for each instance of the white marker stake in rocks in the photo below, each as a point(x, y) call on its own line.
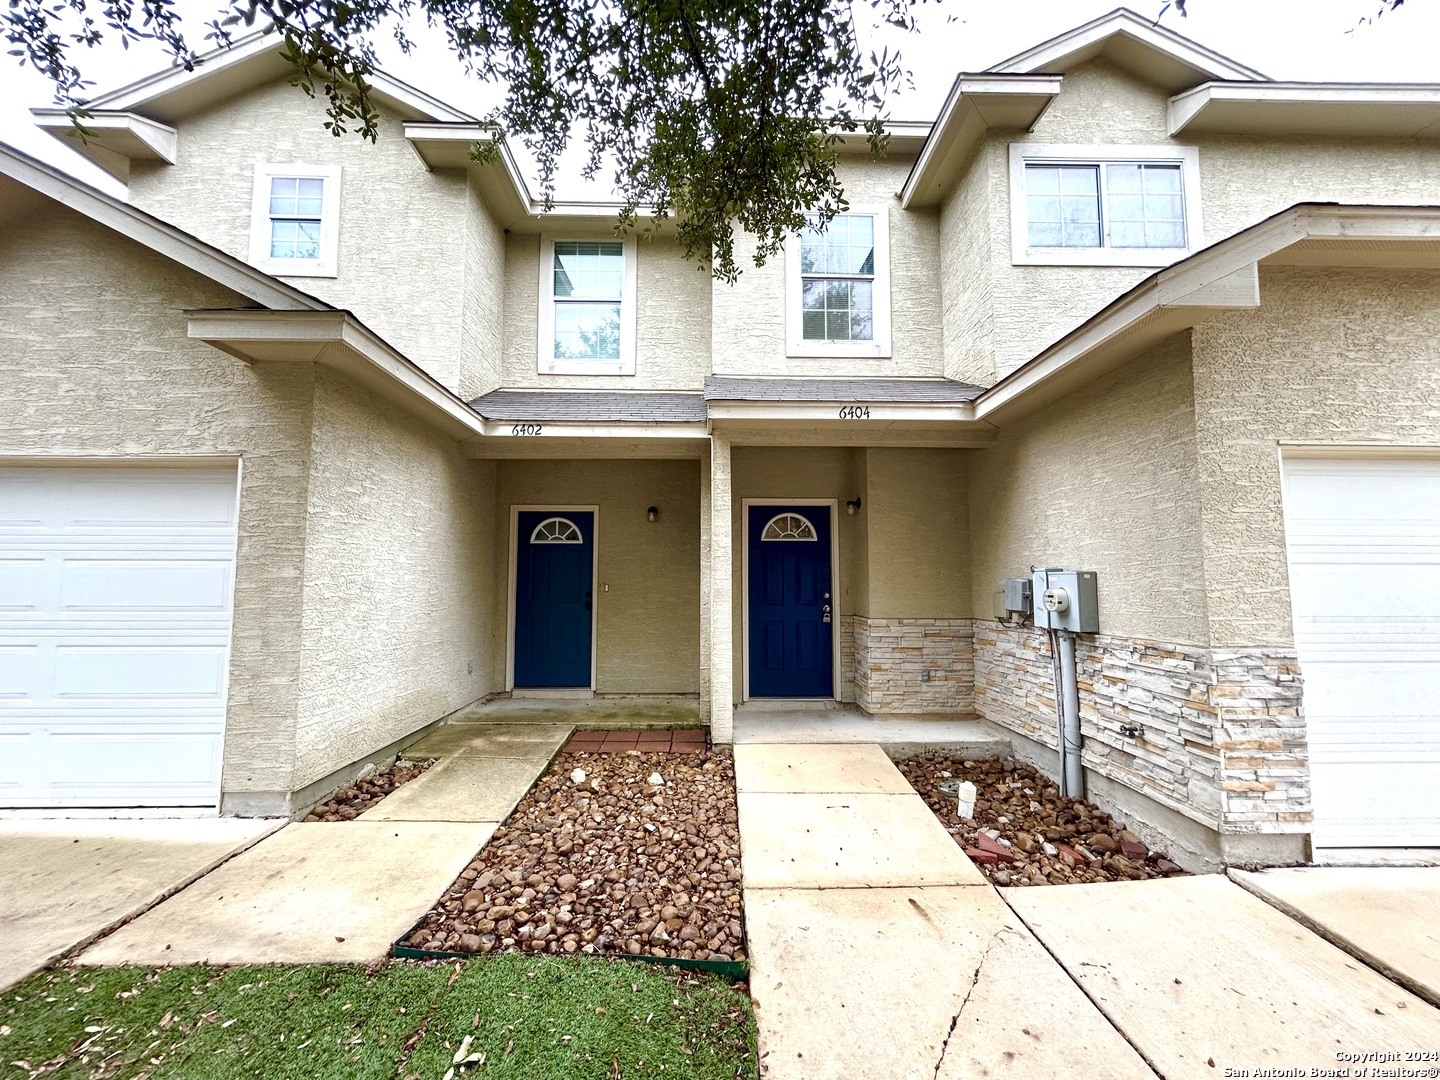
point(965, 796)
point(578, 776)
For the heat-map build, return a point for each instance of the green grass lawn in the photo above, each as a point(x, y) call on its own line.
point(544, 1017)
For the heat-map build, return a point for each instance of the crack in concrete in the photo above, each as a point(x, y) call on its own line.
point(974, 981)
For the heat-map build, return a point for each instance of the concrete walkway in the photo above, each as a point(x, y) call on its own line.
point(878, 950)
point(66, 882)
point(345, 891)
point(1387, 917)
point(813, 723)
point(1201, 977)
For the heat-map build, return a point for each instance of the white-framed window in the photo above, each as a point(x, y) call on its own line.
point(788, 527)
point(587, 306)
point(295, 220)
point(837, 286)
point(1103, 205)
point(556, 530)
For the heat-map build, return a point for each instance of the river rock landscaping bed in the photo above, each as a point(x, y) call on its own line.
point(349, 803)
point(1024, 832)
point(609, 854)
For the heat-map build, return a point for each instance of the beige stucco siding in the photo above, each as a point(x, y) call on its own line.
point(1102, 480)
point(402, 228)
point(916, 511)
point(648, 620)
point(1331, 356)
point(749, 317)
point(672, 319)
point(483, 315)
point(967, 238)
point(97, 365)
point(1243, 180)
point(398, 569)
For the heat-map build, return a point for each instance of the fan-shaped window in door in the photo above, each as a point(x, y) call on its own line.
point(788, 527)
point(556, 530)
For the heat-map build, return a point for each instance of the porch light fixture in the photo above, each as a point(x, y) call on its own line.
point(852, 506)
point(651, 513)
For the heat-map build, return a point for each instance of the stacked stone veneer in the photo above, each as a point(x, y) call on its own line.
point(1222, 731)
point(914, 665)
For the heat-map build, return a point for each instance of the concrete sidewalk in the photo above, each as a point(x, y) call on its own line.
point(878, 950)
point(65, 882)
point(1388, 917)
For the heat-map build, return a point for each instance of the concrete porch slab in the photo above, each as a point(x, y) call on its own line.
point(463, 788)
point(833, 841)
point(511, 741)
point(817, 769)
point(788, 724)
point(1386, 916)
point(66, 881)
point(1197, 970)
point(868, 982)
point(316, 893)
point(615, 712)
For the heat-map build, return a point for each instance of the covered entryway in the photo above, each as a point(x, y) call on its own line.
point(554, 599)
point(790, 600)
point(1363, 538)
point(116, 590)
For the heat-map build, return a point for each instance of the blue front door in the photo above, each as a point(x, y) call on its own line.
point(554, 592)
point(791, 602)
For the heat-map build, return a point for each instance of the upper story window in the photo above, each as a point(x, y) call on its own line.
point(1103, 205)
point(838, 286)
point(587, 307)
point(295, 220)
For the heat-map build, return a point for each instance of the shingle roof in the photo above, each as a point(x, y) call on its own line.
point(597, 406)
point(920, 391)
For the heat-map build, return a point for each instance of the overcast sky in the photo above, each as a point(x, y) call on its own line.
point(1286, 39)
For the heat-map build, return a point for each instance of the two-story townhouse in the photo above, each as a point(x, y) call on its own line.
point(1127, 306)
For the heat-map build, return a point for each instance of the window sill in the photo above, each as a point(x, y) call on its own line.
point(822, 350)
point(1143, 258)
point(586, 367)
point(281, 268)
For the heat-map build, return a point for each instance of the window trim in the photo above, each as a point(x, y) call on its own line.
point(547, 363)
point(879, 347)
point(1023, 154)
point(328, 264)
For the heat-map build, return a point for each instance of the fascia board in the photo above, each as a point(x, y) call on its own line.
point(337, 340)
point(135, 137)
point(1345, 108)
point(976, 104)
point(810, 412)
point(617, 429)
point(155, 234)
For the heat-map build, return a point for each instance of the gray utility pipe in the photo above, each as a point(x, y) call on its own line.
point(1072, 773)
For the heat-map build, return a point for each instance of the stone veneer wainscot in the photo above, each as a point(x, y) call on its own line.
point(892, 657)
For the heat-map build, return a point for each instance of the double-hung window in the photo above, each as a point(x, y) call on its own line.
point(1105, 206)
point(294, 228)
point(587, 307)
point(838, 286)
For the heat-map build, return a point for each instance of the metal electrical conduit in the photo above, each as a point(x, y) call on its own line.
point(1067, 702)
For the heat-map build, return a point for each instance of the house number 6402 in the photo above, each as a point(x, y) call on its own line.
point(855, 412)
point(526, 429)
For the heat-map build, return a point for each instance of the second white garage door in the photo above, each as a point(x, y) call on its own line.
point(116, 588)
point(1364, 551)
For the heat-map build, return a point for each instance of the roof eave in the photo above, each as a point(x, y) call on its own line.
point(1407, 110)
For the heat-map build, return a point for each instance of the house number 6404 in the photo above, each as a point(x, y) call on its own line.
point(526, 429)
point(855, 412)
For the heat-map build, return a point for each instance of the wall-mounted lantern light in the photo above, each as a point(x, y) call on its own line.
point(652, 513)
point(852, 506)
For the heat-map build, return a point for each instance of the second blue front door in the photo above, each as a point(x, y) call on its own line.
point(554, 595)
point(792, 607)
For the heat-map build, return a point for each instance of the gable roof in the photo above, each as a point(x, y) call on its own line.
point(253, 60)
point(1138, 44)
point(152, 232)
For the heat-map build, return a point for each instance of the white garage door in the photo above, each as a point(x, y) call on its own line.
point(115, 600)
point(1364, 548)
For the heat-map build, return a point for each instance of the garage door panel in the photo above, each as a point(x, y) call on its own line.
point(1363, 541)
point(137, 586)
point(116, 591)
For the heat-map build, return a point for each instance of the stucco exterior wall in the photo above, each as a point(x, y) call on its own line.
point(397, 589)
point(1243, 180)
point(1331, 356)
point(648, 622)
point(483, 312)
point(672, 319)
point(402, 228)
point(1102, 480)
point(967, 256)
point(917, 514)
point(748, 335)
point(97, 365)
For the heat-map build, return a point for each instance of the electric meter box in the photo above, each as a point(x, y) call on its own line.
point(1017, 596)
point(1066, 600)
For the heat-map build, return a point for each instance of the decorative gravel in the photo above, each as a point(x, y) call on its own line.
point(610, 853)
point(349, 803)
point(1024, 832)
